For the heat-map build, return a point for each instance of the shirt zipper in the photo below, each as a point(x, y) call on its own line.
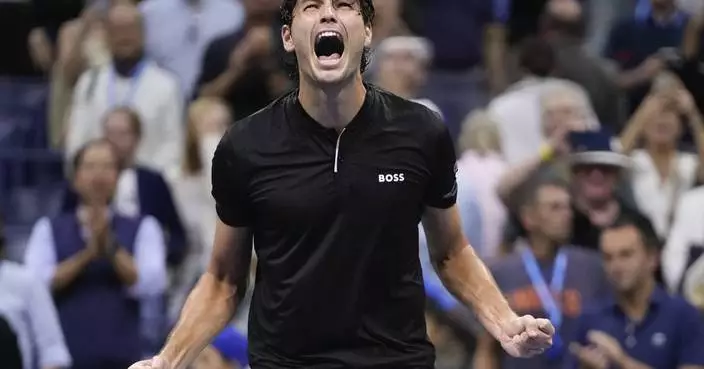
point(337, 149)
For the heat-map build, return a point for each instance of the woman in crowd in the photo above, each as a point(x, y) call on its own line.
point(99, 265)
point(482, 164)
point(661, 171)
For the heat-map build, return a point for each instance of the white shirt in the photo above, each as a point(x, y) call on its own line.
point(126, 200)
point(155, 96)
point(686, 232)
point(149, 256)
point(29, 309)
point(177, 36)
point(518, 115)
point(656, 199)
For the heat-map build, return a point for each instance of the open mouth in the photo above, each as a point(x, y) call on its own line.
point(329, 46)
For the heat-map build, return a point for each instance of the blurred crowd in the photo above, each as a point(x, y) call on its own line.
point(580, 142)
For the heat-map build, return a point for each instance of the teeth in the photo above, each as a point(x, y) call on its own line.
point(328, 34)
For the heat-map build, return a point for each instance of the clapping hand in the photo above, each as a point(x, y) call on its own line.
point(527, 336)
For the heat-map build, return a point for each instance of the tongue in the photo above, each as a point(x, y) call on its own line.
point(334, 56)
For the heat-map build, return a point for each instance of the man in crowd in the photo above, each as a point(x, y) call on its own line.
point(133, 81)
point(242, 67)
point(640, 46)
point(641, 326)
point(545, 276)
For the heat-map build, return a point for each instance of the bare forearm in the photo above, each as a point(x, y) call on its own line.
point(634, 129)
point(222, 84)
point(68, 270)
point(495, 56)
point(208, 309)
point(516, 176)
point(466, 276)
point(125, 267)
point(627, 80)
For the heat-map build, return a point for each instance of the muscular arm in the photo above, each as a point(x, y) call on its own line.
point(461, 270)
point(211, 304)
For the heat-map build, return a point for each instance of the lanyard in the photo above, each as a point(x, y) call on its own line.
point(556, 283)
point(134, 83)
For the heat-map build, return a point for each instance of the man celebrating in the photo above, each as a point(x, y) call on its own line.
point(331, 180)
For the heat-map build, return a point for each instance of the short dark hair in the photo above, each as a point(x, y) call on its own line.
point(528, 195)
point(135, 120)
point(642, 225)
point(537, 57)
point(78, 157)
point(290, 62)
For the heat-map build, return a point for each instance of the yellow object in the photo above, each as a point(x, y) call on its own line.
point(546, 153)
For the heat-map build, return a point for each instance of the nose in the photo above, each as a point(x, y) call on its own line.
point(327, 13)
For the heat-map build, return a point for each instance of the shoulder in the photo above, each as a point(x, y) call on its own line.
point(244, 134)
point(410, 119)
point(18, 273)
point(625, 24)
point(582, 254)
point(161, 75)
point(505, 266)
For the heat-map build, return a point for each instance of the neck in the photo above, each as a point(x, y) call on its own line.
point(126, 66)
point(543, 248)
point(333, 107)
point(660, 150)
point(635, 302)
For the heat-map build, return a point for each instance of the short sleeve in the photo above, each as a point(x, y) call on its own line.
point(442, 189)
point(691, 332)
point(230, 185)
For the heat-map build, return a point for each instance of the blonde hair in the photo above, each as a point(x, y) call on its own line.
point(563, 88)
point(480, 133)
point(192, 162)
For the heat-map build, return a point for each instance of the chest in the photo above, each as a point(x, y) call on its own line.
point(364, 177)
point(654, 341)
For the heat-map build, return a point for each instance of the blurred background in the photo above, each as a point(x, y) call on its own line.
point(570, 118)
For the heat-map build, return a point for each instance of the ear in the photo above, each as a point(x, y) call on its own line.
point(368, 35)
point(287, 39)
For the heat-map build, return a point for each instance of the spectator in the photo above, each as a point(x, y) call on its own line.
point(547, 216)
point(130, 80)
point(661, 173)
point(28, 321)
point(208, 119)
point(563, 25)
point(639, 43)
point(402, 67)
point(481, 164)
point(469, 53)
point(140, 191)
point(562, 109)
point(596, 167)
point(522, 110)
point(177, 33)
point(81, 45)
point(98, 264)
point(240, 67)
point(642, 326)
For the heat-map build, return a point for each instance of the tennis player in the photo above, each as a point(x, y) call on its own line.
point(331, 181)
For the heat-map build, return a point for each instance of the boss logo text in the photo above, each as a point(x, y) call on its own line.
point(395, 177)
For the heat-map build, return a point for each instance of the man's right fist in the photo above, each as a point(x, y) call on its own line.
point(153, 363)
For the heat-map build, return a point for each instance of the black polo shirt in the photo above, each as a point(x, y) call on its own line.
point(335, 219)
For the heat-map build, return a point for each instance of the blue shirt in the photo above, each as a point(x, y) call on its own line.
point(671, 334)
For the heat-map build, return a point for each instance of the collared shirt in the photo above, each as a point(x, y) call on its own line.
point(335, 215)
point(126, 200)
point(177, 34)
point(27, 305)
point(149, 256)
point(671, 334)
